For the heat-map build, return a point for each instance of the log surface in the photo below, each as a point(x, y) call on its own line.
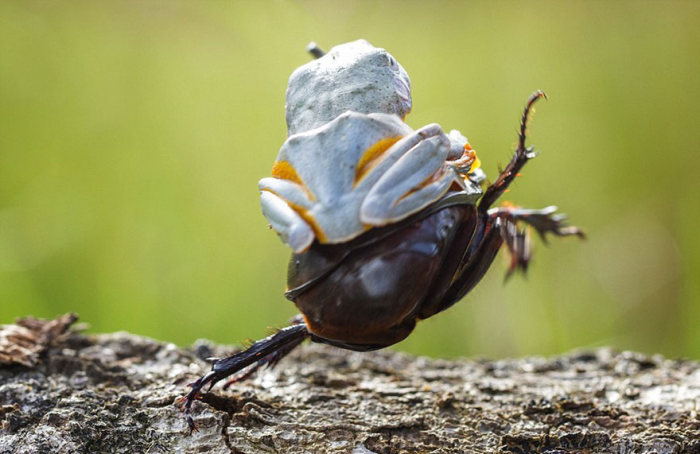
point(115, 392)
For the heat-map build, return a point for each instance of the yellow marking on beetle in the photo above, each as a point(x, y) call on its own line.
point(372, 156)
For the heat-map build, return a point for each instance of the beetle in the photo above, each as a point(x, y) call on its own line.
point(388, 225)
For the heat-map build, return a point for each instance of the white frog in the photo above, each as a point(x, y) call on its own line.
point(350, 163)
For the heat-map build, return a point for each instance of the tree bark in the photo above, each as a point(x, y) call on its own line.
point(63, 391)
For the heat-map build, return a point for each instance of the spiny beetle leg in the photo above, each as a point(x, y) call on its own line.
point(517, 239)
point(521, 156)
point(545, 220)
point(518, 242)
point(284, 341)
point(270, 360)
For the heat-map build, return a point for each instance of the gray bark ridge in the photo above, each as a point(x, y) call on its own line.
point(115, 393)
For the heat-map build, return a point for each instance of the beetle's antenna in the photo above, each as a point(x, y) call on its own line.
point(314, 50)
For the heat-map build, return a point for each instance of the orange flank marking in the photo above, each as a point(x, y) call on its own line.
point(372, 156)
point(475, 164)
point(432, 178)
point(309, 218)
point(284, 171)
point(306, 216)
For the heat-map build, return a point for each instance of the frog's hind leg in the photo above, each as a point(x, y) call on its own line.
point(267, 351)
point(416, 179)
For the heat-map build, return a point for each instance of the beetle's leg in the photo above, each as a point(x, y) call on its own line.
point(518, 240)
point(545, 220)
point(268, 361)
point(521, 156)
point(284, 340)
point(499, 226)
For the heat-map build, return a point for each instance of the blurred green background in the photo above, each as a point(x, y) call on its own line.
point(133, 134)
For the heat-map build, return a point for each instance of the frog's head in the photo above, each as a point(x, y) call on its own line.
point(353, 76)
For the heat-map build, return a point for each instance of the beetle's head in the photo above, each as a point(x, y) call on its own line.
point(353, 76)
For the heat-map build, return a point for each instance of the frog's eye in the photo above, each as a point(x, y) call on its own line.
point(392, 63)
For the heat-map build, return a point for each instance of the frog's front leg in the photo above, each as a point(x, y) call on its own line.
point(416, 179)
point(291, 227)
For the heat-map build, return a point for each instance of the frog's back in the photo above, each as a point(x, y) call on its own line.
point(354, 76)
point(350, 163)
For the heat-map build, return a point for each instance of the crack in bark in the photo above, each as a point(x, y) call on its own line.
point(225, 436)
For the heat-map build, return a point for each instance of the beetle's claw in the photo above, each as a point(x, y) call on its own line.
point(554, 224)
point(571, 230)
point(184, 403)
point(191, 424)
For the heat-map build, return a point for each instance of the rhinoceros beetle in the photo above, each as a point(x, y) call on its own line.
point(388, 225)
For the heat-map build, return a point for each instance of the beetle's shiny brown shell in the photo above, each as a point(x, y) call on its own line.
point(370, 295)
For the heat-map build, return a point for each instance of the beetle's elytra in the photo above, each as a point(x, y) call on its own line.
point(387, 225)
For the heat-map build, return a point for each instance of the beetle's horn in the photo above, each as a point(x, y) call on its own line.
point(314, 50)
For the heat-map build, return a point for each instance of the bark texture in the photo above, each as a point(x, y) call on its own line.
point(68, 392)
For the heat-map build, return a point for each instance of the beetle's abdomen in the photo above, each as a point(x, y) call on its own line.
point(372, 297)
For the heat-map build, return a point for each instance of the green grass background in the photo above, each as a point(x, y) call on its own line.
point(132, 136)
